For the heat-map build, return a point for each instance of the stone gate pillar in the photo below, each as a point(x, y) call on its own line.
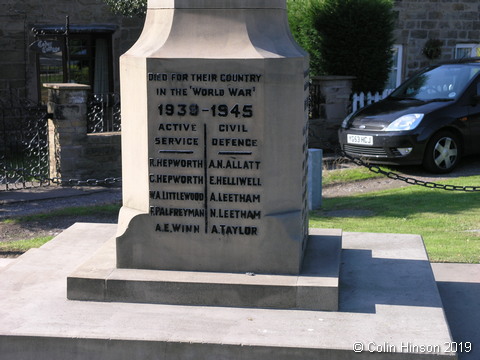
point(67, 128)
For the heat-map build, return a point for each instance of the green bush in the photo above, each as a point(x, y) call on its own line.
point(356, 38)
point(128, 8)
point(301, 25)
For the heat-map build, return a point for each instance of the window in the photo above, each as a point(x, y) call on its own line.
point(467, 50)
point(395, 77)
point(88, 61)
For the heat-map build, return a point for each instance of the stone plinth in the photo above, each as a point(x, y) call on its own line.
point(315, 288)
point(214, 140)
point(389, 303)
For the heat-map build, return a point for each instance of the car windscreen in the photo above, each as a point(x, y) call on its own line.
point(443, 83)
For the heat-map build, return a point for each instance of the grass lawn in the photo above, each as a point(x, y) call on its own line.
point(24, 245)
point(448, 221)
point(348, 175)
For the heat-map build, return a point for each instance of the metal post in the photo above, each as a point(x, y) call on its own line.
point(67, 46)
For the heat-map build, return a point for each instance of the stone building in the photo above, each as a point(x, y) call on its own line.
point(32, 39)
point(428, 31)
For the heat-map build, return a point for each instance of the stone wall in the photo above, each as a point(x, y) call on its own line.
point(74, 154)
point(18, 63)
point(451, 21)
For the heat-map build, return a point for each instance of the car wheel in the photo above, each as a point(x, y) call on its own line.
point(442, 153)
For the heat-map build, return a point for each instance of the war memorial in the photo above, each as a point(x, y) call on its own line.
point(212, 257)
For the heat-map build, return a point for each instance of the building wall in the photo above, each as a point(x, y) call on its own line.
point(18, 63)
point(451, 21)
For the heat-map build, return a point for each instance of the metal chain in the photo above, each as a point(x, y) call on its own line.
point(357, 161)
point(409, 180)
point(70, 182)
point(88, 182)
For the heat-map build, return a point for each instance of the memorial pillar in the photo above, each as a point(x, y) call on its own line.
point(214, 140)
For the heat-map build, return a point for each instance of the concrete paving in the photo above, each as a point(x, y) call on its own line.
point(389, 302)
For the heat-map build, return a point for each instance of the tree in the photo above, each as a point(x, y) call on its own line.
point(356, 38)
point(128, 8)
point(302, 27)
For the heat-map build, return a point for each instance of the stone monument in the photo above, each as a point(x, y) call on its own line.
point(215, 160)
point(214, 217)
point(214, 132)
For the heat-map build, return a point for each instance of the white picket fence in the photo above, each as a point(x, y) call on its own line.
point(362, 99)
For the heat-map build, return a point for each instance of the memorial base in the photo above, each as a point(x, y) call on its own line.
point(316, 288)
point(389, 304)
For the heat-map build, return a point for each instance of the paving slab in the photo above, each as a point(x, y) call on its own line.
point(459, 286)
point(387, 307)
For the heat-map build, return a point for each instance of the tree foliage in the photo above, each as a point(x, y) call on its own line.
point(128, 8)
point(356, 38)
point(304, 32)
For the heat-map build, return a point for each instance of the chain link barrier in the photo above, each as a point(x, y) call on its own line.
point(357, 161)
point(64, 182)
point(408, 180)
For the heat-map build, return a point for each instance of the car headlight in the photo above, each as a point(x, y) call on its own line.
point(346, 120)
point(405, 122)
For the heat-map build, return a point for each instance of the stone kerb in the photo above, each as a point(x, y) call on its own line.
point(74, 154)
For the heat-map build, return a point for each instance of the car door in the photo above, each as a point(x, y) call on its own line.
point(473, 120)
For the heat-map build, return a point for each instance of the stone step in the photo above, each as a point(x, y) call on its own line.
point(316, 288)
point(389, 305)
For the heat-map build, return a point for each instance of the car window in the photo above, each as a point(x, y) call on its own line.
point(446, 82)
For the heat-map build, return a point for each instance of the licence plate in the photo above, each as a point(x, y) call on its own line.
point(360, 139)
